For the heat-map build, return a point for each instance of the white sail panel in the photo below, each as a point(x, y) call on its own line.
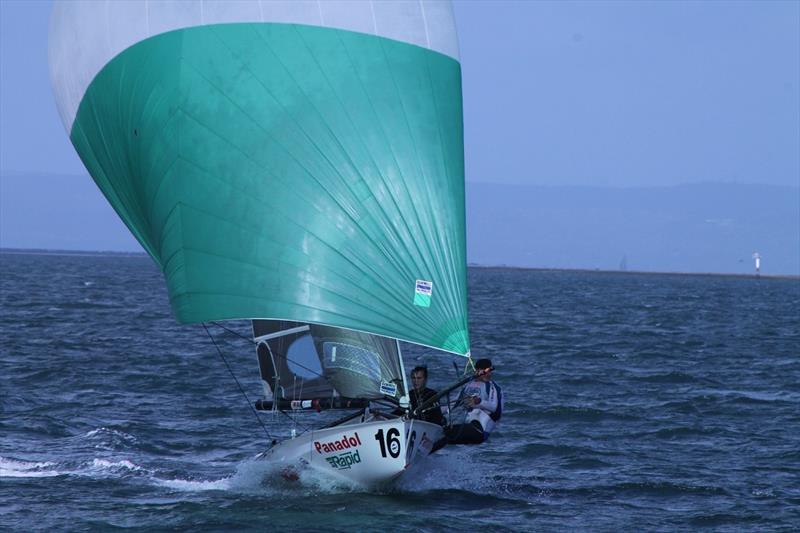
point(83, 38)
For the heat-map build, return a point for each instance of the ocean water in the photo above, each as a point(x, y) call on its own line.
point(659, 402)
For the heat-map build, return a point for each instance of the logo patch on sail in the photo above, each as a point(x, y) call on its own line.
point(389, 389)
point(422, 293)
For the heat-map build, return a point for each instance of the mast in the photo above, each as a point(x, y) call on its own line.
point(404, 399)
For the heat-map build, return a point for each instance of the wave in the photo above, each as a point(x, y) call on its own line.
point(446, 477)
point(251, 476)
point(677, 432)
point(719, 519)
point(670, 377)
point(96, 468)
point(537, 450)
point(573, 413)
point(651, 488)
point(115, 466)
point(588, 380)
point(446, 471)
point(759, 397)
point(87, 304)
point(713, 398)
point(110, 439)
point(17, 468)
point(586, 463)
point(263, 477)
point(186, 485)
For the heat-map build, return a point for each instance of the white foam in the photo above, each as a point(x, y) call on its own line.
point(108, 439)
point(14, 468)
point(194, 486)
point(95, 468)
point(104, 431)
point(250, 476)
point(265, 477)
point(102, 464)
point(447, 469)
point(322, 482)
point(451, 468)
point(283, 476)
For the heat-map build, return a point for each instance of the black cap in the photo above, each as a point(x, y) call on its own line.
point(481, 364)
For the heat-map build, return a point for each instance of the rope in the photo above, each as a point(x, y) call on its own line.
point(250, 404)
point(304, 427)
point(248, 339)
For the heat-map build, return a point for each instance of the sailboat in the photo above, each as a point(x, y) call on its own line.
point(330, 368)
point(296, 164)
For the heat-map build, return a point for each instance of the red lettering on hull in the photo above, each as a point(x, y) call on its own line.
point(338, 445)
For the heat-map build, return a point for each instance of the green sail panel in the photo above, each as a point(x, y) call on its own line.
point(289, 172)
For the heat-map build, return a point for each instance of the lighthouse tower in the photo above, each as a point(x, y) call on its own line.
point(757, 258)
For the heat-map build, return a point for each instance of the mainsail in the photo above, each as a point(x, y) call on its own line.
point(298, 161)
point(299, 361)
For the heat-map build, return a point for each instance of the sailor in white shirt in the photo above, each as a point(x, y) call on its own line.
point(483, 400)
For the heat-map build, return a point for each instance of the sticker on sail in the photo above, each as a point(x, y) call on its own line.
point(389, 389)
point(422, 293)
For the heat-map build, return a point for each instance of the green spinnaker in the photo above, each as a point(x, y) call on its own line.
point(289, 171)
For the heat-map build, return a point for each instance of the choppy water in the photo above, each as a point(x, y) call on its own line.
point(632, 401)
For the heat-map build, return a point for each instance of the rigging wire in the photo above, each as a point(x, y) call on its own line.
point(251, 341)
point(253, 409)
point(233, 332)
point(304, 427)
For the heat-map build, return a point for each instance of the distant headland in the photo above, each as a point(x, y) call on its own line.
point(471, 265)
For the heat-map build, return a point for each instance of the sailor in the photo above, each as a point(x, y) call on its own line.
point(483, 400)
point(420, 394)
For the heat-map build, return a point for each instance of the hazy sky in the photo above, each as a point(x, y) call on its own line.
point(555, 93)
point(604, 93)
point(631, 93)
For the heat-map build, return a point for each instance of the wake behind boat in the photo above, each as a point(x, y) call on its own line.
point(300, 165)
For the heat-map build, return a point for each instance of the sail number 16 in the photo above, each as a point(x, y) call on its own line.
point(391, 441)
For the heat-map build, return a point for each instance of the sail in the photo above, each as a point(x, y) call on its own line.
point(302, 361)
point(288, 362)
point(299, 161)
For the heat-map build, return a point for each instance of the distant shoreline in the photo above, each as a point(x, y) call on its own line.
point(45, 251)
point(636, 272)
point(78, 253)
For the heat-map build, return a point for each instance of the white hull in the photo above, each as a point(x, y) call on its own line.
point(371, 453)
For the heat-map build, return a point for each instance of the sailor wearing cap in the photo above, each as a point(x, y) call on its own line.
point(483, 400)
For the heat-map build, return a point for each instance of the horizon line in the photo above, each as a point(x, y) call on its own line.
point(142, 253)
